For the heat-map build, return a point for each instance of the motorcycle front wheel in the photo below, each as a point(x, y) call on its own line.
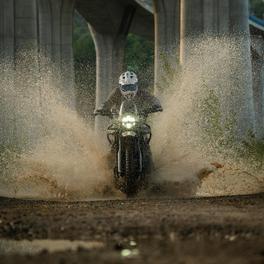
point(130, 180)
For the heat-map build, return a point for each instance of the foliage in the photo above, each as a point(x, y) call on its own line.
point(139, 57)
point(8, 157)
point(83, 46)
point(253, 151)
point(220, 134)
point(257, 8)
point(170, 73)
point(139, 52)
point(217, 129)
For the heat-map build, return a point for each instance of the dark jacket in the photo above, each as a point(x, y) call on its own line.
point(144, 100)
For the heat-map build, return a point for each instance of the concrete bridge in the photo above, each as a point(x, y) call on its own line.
point(257, 50)
point(45, 26)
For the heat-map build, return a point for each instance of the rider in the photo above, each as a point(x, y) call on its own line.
point(128, 87)
point(146, 103)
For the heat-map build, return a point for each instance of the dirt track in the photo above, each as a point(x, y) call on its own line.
point(206, 230)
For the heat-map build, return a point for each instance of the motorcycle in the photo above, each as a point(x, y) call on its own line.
point(129, 136)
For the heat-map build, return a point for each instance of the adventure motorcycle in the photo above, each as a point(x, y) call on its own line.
point(129, 136)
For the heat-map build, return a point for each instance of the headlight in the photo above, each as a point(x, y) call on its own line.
point(128, 121)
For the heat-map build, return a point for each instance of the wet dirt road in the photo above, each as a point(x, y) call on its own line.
point(204, 230)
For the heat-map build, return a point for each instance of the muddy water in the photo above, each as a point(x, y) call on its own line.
point(197, 134)
point(53, 153)
point(58, 154)
point(206, 230)
point(25, 247)
point(154, 251)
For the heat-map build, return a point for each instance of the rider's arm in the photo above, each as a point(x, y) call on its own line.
point(152, 103)
point(112, 99)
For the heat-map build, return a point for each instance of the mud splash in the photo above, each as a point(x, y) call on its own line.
point(197, 139)
point(49, 151)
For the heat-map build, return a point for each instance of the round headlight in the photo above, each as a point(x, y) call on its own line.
point(128, 121)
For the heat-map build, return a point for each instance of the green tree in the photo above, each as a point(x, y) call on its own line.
point(139, 57)
point(257, 8)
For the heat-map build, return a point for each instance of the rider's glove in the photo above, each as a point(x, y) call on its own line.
point(101, 111)
point(158, 109)
point(154, 109)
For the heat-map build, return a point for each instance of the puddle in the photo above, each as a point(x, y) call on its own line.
point(129, 253)
point(36, 246)
point(130, 250)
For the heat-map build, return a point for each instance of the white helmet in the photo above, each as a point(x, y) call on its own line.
point(128, 82)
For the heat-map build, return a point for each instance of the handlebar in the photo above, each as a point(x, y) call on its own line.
point(153, 110)
point(109, 114)
point(102, 113)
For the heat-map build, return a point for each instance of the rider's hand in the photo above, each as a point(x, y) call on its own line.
point(153, 109)
point(159, 109)
point(101, 111)
point(98, 111)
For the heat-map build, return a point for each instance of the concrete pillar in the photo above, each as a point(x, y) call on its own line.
point(109, 62)
point(109, 44)
point(28, 28)
point(7, 28)
point(7, 128)
point(26, 25)
point(191, 26)
point(258, 82)
point(207, 18)
point(203, 18)
point(18, 50)
point(167, 40)
point(26, 71)
point(109, 65)
point(55, 41)
point(226, 19)
point(242, 77)
point(18, 26)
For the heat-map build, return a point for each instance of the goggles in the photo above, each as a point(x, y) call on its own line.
point(129, 88)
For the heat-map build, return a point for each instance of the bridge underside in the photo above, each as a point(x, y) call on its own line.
point(110, 22)
point(109, 17)
point(47, 26)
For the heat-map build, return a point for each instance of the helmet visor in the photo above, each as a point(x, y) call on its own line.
point(129, 88)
